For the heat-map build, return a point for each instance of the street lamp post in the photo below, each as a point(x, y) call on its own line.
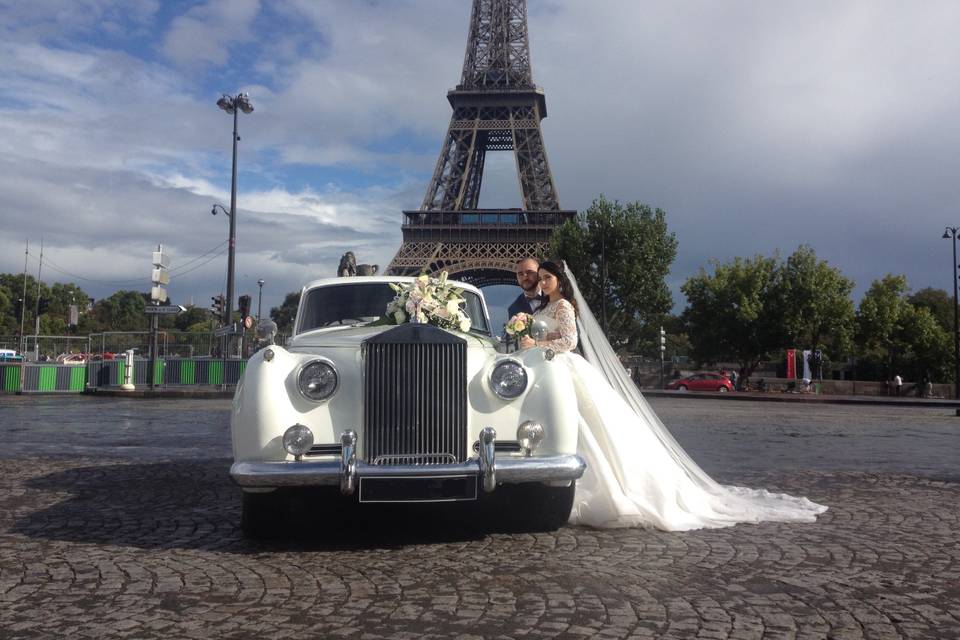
point(232, 105)
point(950, 233)
point(260, 299)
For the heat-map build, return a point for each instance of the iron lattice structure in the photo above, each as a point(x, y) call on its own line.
point(496, 107)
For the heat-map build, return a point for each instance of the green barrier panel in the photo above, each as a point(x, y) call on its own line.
point(216, 373)
point(48, 379)
point(78, 378)
point(11, 378)
point(158, 368)
point(188, 372)
point(121, 368)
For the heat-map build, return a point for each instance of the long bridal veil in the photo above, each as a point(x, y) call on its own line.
point(638, 474)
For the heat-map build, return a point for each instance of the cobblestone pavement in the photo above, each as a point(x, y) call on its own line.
point(140, 540)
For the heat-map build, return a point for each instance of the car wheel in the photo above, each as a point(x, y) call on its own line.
point(533, 506)
point(722, 390)
point(260, 514)
point(681, 387)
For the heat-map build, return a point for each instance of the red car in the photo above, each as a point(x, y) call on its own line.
point(702, 382)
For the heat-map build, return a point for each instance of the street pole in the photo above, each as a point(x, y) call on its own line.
point(228, 308)
point(260, 299)
point(956, 327)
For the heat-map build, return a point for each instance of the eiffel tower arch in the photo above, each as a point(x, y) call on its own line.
point(496, 107)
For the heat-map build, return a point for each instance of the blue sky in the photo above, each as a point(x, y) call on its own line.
point(756, 126)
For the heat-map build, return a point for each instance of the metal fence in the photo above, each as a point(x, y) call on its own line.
point(173, 372)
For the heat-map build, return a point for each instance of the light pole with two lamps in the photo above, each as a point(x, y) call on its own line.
point(232, 105)
point(950, 233)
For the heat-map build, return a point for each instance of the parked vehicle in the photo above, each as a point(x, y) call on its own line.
point(402, 413)
point(702, 382)
point(73, 358)
point(10, 355)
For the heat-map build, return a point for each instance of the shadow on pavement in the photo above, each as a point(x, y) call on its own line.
point(194, 505)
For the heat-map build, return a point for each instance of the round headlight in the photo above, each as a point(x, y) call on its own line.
point(297, 440)
point(530, 435)
point(508, 379)
point(318, 380)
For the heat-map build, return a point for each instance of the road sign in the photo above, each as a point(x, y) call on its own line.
point(230, 329)
point(248, 322)
point(164, 310)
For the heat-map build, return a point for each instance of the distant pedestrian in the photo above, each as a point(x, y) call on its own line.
point(734, 376)
point(897, 384)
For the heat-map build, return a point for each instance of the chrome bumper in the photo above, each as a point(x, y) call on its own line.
point(345, 471)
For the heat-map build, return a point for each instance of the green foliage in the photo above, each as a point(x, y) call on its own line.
point(621, 255)
point(817, 309)
point(286, 313)
point(938, 302)
point(54, 321)
point(897, 337)
point(735, 312)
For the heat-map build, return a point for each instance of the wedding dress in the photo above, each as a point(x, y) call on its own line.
point(637, 474)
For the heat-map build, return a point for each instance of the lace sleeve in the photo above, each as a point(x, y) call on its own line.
point(566, 319)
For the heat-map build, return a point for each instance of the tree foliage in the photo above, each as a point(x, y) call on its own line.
point(750, 309)
point(621, 255)
point(734, 312)
point(895, 336)
point(286, 313)
point(938, 302)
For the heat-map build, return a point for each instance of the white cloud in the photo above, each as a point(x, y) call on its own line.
point(210, 32)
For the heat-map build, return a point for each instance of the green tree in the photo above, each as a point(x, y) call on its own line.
point(734, 312)
point(286, 313)
point(122, 311)
point(817, 309)
point(938, 302)
point(621, 255)
point(895, 336)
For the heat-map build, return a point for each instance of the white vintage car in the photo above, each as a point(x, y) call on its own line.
point(403, 413)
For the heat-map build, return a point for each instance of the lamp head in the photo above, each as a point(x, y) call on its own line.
point(946, 233)
point(226, 103)
point(243, 103)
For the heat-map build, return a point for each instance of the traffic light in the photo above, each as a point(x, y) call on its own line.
point(663, 340)
point(42, 305)
point(244, 304)
point(217, 306)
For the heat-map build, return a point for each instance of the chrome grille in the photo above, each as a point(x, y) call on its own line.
point(415, 397)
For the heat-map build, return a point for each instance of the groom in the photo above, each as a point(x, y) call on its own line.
point(529, 280)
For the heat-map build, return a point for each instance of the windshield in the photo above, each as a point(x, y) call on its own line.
point(359, 303)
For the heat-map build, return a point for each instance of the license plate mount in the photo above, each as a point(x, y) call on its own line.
point(448, 488)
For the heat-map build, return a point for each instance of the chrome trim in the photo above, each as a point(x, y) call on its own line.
point(526, 378)
point(510, 470)
point(335, 372)
point(488, 458)
point(348, 462)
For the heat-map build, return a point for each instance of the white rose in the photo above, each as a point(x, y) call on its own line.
point(400, 317)
point(464, 324)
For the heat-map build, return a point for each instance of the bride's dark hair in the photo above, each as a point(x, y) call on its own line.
point(566, 289)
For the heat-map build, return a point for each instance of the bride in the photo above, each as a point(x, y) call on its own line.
point(637, 474)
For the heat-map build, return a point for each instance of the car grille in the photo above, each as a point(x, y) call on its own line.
point(415, 397)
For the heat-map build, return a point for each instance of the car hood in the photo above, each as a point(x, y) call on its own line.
point(353, 336)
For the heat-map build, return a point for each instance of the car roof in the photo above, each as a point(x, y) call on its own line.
point(325, 282)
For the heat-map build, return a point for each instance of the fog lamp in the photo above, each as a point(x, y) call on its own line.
point(297, 440)
point(530, 434)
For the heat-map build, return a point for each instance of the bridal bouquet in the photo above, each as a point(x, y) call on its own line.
point(428, 300)
point(519, 325)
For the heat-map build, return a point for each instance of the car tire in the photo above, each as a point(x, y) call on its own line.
point(681, 387)
point(261, 514)
point(533, 506)
point(722, 390)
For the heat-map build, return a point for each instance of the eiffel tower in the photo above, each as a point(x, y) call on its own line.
point(496, 107)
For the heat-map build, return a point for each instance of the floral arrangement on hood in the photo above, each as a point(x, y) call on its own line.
point(430, 301)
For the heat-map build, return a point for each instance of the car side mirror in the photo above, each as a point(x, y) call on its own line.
point(266, 331)
point(539, 330)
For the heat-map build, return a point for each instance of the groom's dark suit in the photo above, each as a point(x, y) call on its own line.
point(523, 304)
